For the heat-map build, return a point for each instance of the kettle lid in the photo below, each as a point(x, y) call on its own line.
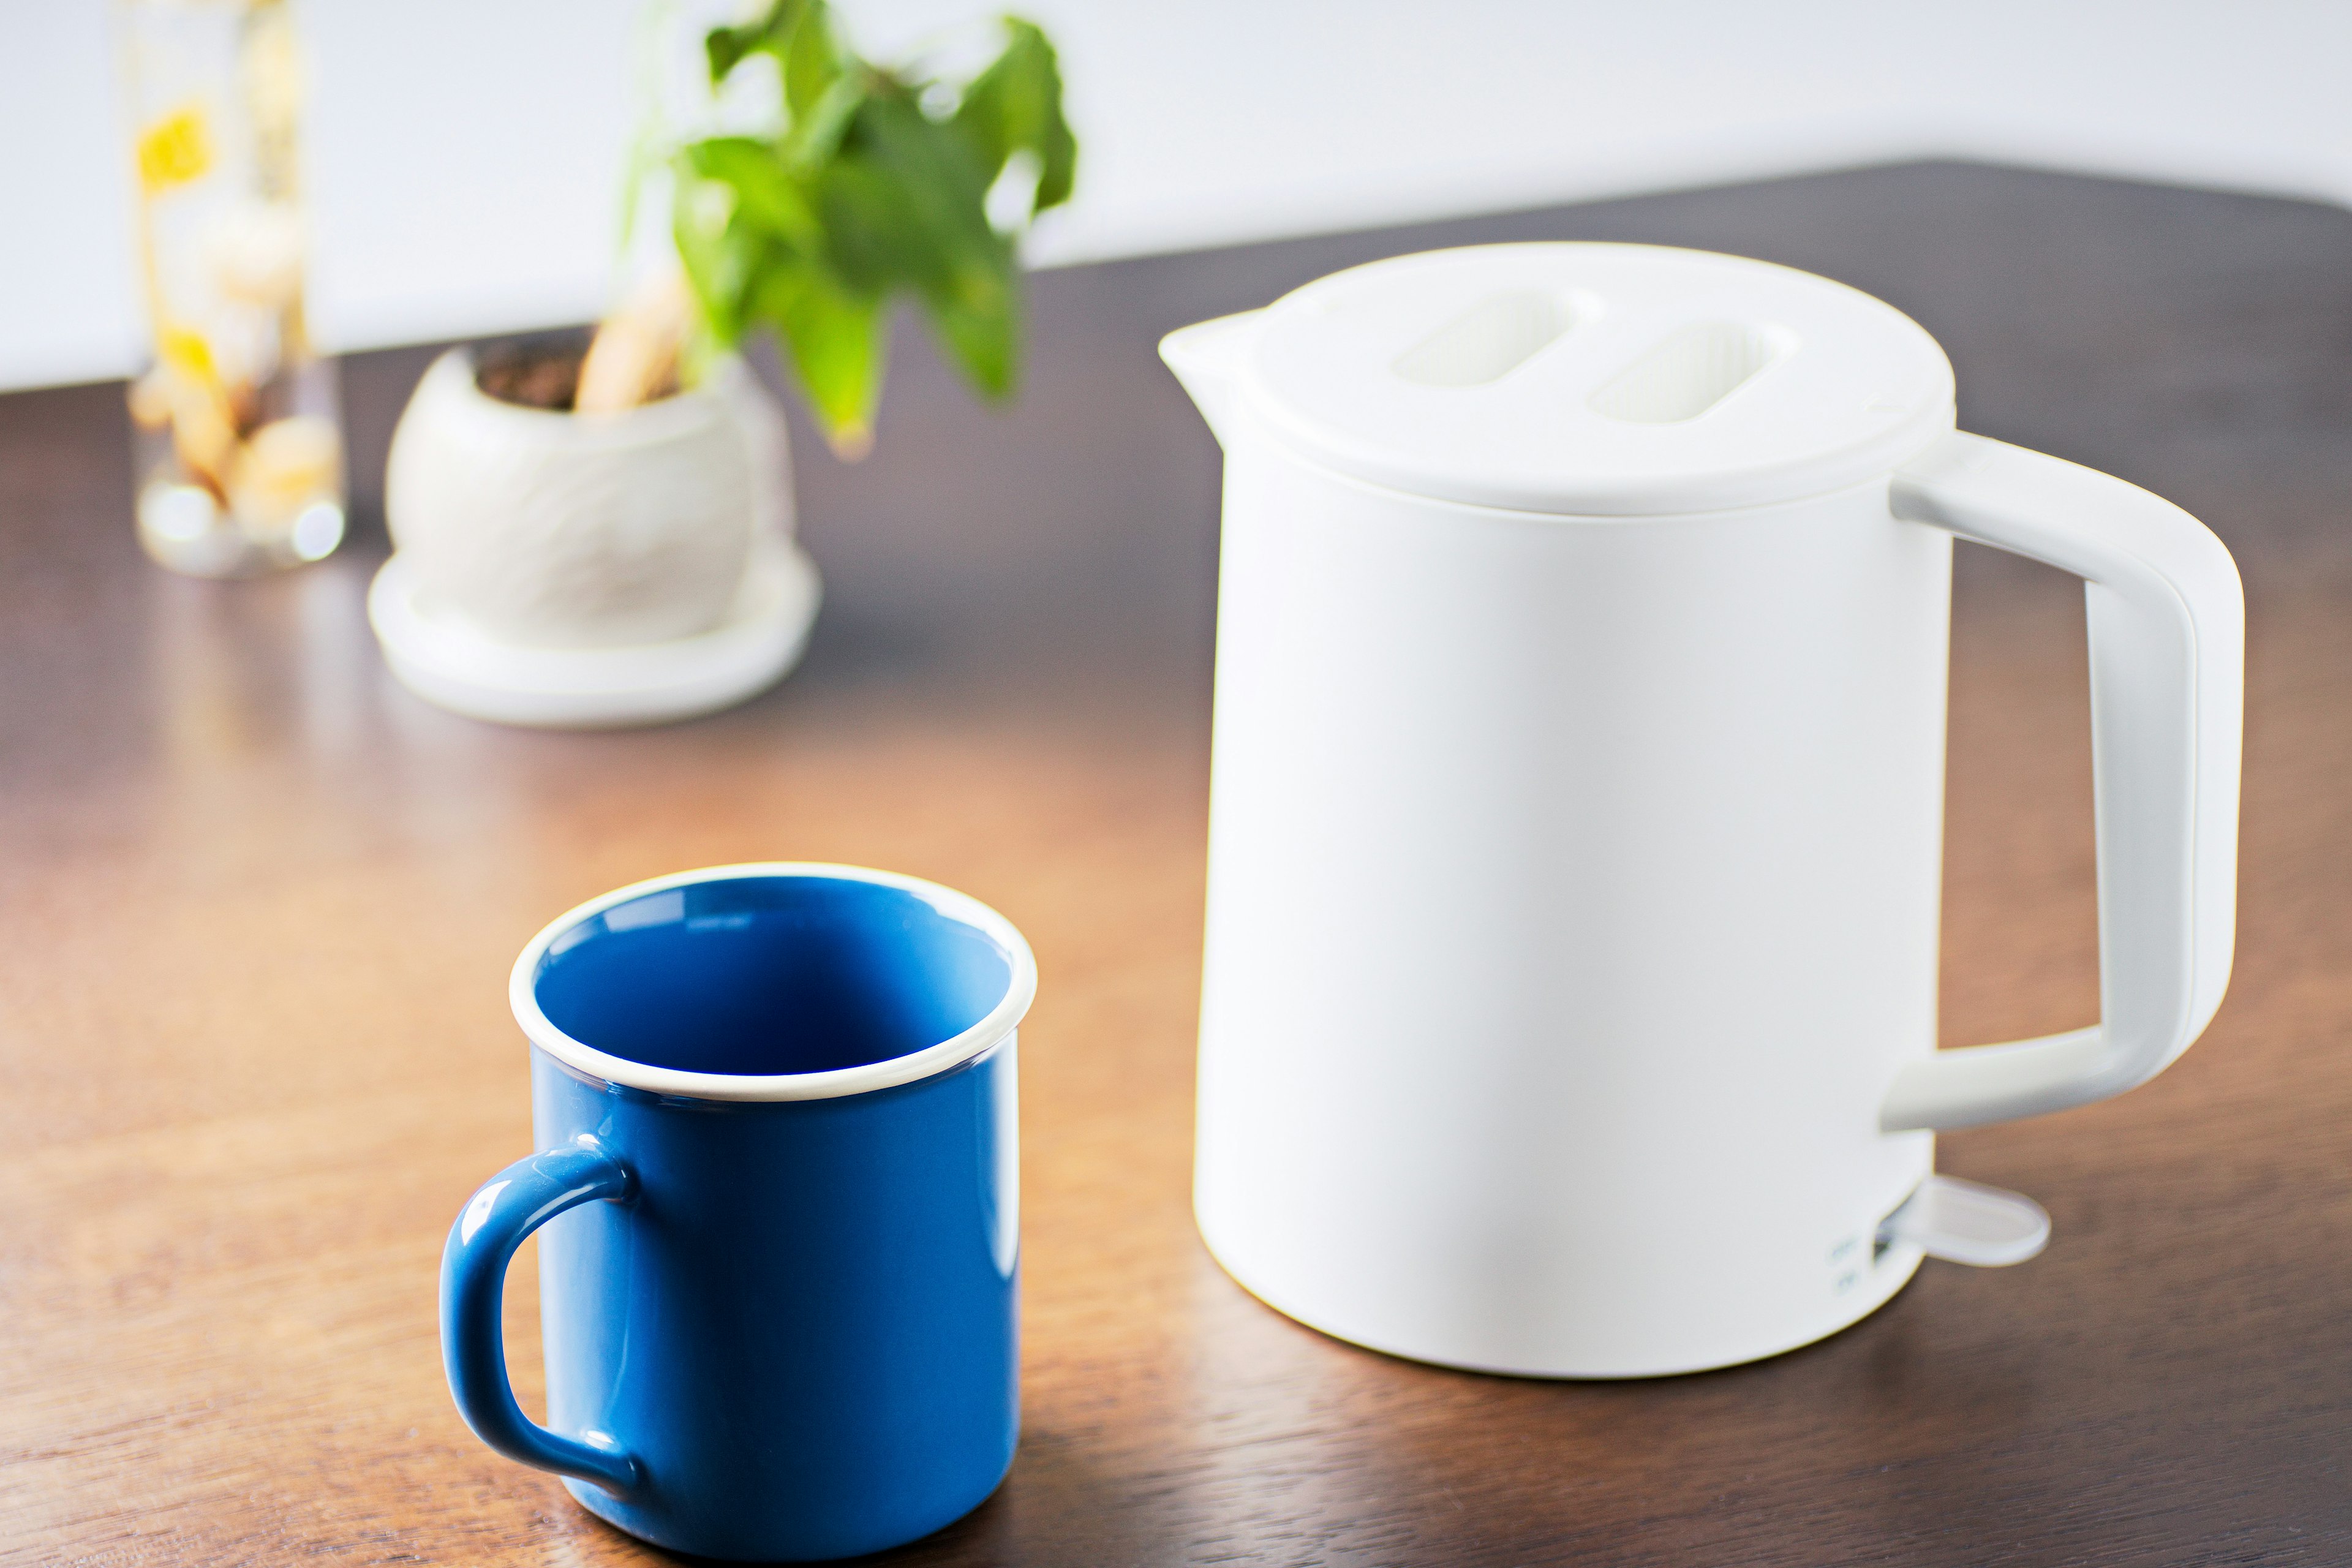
point(1597, 380)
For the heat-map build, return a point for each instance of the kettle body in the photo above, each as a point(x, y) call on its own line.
point(1568, 1004)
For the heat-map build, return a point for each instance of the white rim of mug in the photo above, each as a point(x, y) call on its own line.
point(962, 908)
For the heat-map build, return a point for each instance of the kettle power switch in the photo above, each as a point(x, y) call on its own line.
point(1968, 1222)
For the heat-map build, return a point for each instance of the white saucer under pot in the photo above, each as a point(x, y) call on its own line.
point(449, 662)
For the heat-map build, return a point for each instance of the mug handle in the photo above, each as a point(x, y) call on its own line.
point(509, 1207)
point(2166, 620)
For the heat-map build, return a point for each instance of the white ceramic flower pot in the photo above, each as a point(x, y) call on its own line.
point(544, 530)
point(590, 571)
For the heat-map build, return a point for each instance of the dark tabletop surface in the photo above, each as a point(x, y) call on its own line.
point(257, 904)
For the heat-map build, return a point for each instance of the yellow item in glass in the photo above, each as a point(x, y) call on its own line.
point(175, 149)
point(287, 465)
point(187, 352)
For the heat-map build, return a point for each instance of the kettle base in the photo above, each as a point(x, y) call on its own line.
point(1461, 1350)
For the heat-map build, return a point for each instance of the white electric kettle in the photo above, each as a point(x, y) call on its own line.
point(1576, 804)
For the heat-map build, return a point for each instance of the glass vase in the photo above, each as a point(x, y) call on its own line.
point(236, 438)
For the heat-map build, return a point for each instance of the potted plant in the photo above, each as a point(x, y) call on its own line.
point(597, 530)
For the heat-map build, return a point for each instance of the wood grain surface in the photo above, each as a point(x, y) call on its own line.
point(257, 905)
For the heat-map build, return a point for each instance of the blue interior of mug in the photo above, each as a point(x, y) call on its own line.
point(762, 975)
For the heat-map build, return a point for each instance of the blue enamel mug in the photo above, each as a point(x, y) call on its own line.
point(777, 1211)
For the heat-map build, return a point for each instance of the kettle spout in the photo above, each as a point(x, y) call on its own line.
point(1207, 359)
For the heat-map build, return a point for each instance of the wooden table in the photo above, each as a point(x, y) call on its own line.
point(256, 908)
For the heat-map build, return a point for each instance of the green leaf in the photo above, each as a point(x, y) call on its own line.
point(837, 341)
point(1014, 106)
point(764, 192)
point(871, 241)
point(817, 134)
point(935, 191)
point(814, 63)
point(907, 206)
point(968, 286)
point(983, 341)
point(727, 48)
point(723, 256)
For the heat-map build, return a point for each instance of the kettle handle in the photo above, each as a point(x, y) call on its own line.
point(2167, 621)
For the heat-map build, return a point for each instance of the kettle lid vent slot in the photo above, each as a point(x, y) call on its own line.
point(1487, 341)
point(1691, 372)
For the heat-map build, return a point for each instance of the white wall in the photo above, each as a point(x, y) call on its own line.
point(465, 152)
